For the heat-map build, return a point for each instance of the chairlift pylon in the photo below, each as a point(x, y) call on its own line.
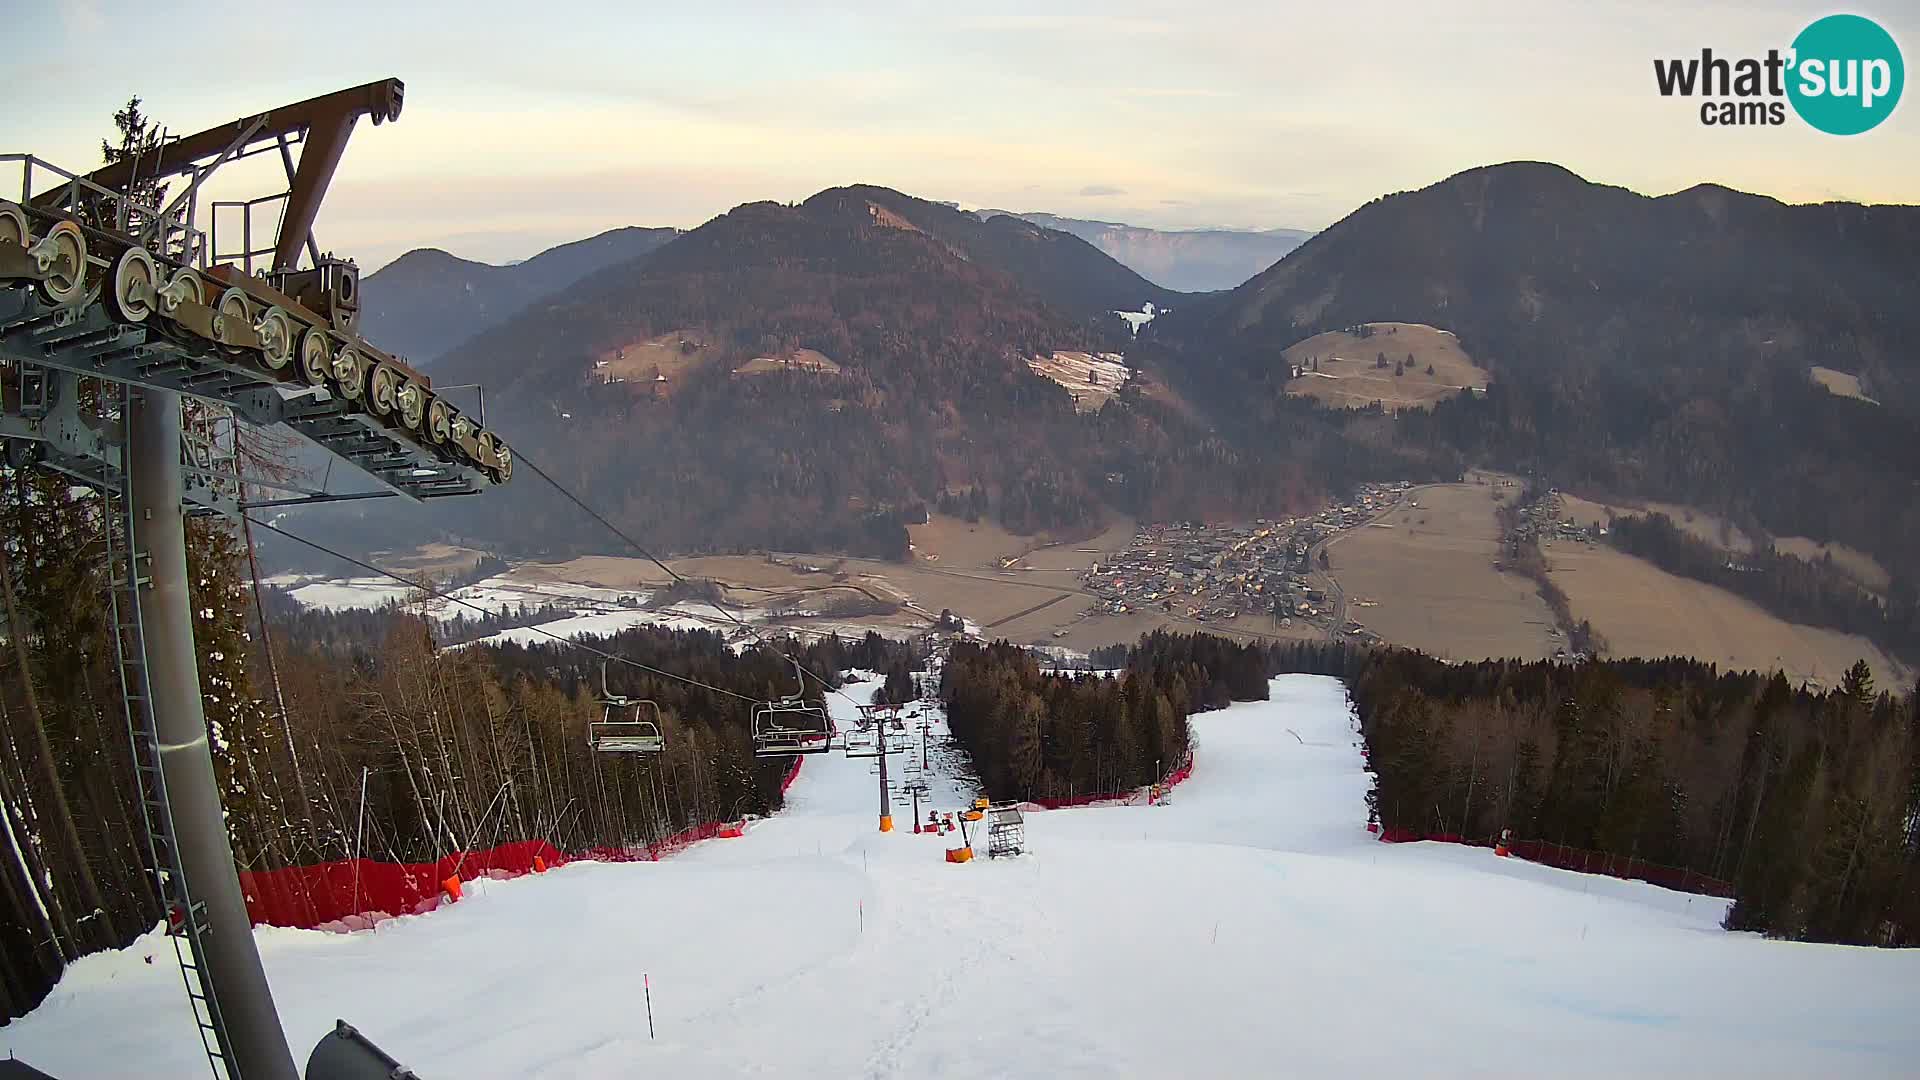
point(871, 739)
point(626, 725)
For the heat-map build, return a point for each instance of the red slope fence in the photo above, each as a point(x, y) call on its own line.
point(353, 894)
point(1136, 797)
point(1581, 860)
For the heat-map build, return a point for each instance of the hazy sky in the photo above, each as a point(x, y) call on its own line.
point(532, 124)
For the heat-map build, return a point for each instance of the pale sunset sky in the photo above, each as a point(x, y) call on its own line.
point(528, 125)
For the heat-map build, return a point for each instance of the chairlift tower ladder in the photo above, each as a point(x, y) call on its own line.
point(187, 926)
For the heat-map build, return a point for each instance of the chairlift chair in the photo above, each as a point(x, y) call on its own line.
point(626, 725)
point(791, 725)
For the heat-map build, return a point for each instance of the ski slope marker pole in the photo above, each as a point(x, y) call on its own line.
point(646, 982)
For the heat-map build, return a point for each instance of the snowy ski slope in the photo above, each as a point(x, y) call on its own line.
point(1250, 928)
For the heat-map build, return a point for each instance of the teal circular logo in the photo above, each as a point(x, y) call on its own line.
point(1846, 74)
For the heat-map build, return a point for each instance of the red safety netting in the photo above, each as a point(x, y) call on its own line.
point(353, 894)
point(1137, 797)
point(1582, 860)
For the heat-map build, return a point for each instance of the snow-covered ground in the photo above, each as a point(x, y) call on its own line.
point(1249, 928)
point(598, 611)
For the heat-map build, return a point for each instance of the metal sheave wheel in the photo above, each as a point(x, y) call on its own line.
point(276, 338)
point(412, 402)
point(232, 309)
point(13, 225)
point(439, 421)
point(314, 356)
point(184, 287)
point(382, 385)
point(503, 472)
point(62, 255)
point(136, 286)
point(350, 372)
point(483, 448)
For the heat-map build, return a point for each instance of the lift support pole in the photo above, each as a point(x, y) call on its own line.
point(259, 1044)
point(886, 806)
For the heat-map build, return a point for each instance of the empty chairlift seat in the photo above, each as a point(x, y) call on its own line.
point(627, 727)
point(791, 726)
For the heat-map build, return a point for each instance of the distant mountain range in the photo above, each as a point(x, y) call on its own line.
point(1185, 260)
point(427, 301)
point(808, 376)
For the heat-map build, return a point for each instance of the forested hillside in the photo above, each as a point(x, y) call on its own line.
point(732, 433)
point(1653, 347)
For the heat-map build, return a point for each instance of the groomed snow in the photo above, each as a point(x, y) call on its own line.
point(1250, 928)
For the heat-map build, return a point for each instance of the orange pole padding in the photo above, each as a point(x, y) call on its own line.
point(960, 854)
point(886, 822)
point(452, 885)
point(539, 865)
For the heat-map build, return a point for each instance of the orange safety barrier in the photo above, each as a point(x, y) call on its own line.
point(452, 885)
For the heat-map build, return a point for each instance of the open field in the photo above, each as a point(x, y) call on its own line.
point(807, 360)
point(670, 354)
point(1701, 524)
point(1856, 564)
point(1078, 555)
point(1346, 374)
point(1423, 576)
point(1092, 378)
point(1644, 611)
point(1840, 383)
point(435, 560)
point(955, 543)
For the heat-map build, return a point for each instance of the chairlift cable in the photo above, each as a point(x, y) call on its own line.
point(535, 468)
point(440, 594)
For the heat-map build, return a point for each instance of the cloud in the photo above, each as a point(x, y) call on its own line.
point(1092, 190)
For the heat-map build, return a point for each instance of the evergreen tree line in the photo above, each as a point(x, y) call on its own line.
point(1793, 588)
point(1033, 735)
point(329, 719)
point(1808, 802)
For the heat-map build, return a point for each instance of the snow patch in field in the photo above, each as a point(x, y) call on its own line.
point(1137, 319)
point(1249, 928)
